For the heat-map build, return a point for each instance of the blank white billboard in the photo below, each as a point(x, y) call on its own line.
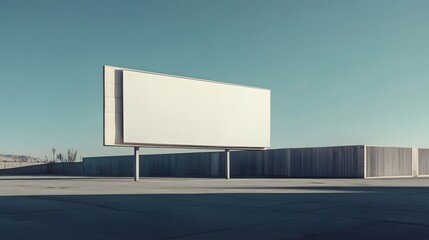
point(150, 109)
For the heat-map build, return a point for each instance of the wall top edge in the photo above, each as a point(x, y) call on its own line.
point(218, 151)
point(308, 147)
point(379, 146)
point(188, 78)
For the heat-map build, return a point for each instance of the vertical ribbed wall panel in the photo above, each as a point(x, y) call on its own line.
point(423, 161)
point(330, 162)
point(344, 161)
point(388, 161)
point(247, 163)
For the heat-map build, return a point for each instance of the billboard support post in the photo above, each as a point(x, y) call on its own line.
point(136, 164)
point(227, 163)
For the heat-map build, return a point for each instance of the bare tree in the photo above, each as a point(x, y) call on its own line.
point(53, 154)
point(60, 157)
point(71, 155)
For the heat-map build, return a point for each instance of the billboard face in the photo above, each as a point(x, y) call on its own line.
point(149, 109)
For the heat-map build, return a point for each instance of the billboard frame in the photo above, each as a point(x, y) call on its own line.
point(113, 114)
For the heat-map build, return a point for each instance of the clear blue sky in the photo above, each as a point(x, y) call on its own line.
point(341, 71)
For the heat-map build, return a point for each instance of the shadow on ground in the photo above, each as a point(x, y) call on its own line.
point(332, 213)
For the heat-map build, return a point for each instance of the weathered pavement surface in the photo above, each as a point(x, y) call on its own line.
point(58, 207)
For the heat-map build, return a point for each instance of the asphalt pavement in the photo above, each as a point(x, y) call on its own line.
point(60, 207)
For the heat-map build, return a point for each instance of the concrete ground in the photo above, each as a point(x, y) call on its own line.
point(54, 207)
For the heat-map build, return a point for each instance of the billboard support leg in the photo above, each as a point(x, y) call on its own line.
point(136, 164)
point(227, 164)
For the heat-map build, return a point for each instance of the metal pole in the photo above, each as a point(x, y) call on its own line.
point(227, 163)
point(136, 164)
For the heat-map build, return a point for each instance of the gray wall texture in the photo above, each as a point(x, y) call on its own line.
point(6, 165)
point(72, 169)
point(344, 161)
point(423, 161)
point(388, 161)
point(317, 162)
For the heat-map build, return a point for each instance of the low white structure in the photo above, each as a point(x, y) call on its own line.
point(158, 110)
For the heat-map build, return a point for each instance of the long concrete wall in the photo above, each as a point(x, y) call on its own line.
point(72, 169)
point(344, 161)
point(7, 165)
point(329, 162)
point(171, 165)
point(388, 161)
